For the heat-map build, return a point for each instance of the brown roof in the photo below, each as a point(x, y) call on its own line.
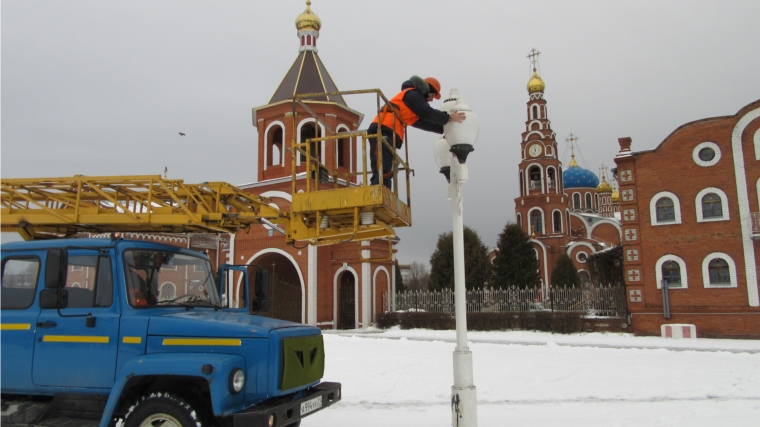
point(307, 75)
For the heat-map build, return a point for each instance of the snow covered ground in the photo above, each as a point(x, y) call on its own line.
point(403, 378)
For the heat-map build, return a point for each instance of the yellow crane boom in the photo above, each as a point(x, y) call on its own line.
point(54, 207)
point(44, 208)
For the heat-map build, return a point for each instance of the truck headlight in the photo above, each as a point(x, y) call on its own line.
point(237, 380)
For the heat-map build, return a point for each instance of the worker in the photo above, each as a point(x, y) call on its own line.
point(413, 107)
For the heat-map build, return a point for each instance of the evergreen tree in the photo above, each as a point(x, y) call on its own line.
point(565, 273)
point(515, 263)
point(399, 280)
point(476, 266)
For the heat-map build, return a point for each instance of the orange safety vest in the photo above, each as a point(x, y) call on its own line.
point(391, 121)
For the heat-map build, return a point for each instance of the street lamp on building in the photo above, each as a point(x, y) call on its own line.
point(451, 155)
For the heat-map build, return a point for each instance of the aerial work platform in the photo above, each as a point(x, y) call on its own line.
point(335, 207)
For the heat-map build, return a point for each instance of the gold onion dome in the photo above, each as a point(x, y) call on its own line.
point(308, 20)
point(604, 187)
point(615, 196)
point(536, 84)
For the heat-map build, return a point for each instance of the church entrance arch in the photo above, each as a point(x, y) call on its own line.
point(286, 290)
point(346, 300)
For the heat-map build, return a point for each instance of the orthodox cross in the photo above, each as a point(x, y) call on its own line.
point(533, 55)
point(571, 140)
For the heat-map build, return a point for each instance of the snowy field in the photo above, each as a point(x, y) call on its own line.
point(403, 378)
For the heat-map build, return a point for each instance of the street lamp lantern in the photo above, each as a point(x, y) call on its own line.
point(461, 136)
point(451, 154)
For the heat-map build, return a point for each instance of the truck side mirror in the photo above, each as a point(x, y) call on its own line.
point(54, 298)
point(260, 302)
point(55, 268)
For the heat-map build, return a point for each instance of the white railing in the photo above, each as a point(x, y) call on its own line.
point(755, 219)
point(594, 300)
point(550, 183)
point(535, 184)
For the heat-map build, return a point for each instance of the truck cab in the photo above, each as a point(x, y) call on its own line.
point(136, 333)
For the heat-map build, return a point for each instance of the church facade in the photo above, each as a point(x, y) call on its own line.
point(343, 285)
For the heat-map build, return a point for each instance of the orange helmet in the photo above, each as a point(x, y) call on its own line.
point(435, 86)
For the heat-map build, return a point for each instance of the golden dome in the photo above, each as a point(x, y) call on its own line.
point(604, 187)
point(535, 84)
point(308, 20)
point(615, 196)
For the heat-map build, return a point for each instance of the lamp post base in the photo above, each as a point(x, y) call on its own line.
point(464, 411)
point(464, 403)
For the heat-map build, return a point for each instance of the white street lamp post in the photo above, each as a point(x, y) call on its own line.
point(451, 154)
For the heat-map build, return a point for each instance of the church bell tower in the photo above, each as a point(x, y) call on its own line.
point(541, 207)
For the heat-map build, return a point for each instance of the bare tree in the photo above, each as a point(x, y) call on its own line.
point(418, 276)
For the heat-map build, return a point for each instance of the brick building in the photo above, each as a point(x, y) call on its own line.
point(701, 235)
point(563, 210)
point(328, 286)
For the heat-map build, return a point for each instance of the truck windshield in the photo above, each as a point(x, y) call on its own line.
point(160, 278)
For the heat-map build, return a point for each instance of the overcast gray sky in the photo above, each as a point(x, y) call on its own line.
point(103, 88)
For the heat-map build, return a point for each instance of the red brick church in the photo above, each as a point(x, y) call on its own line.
point(328, 286)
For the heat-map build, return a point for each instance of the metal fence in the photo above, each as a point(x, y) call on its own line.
point(593, 300)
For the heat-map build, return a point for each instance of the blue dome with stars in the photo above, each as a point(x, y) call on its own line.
point(577, 177)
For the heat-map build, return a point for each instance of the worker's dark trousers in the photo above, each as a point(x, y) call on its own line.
point(387, 160)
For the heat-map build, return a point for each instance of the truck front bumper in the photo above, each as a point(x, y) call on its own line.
point(284, 413)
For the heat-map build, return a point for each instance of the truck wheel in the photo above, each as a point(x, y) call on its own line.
point(161, 409)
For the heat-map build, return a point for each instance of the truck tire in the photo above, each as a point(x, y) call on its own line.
point(162, 409)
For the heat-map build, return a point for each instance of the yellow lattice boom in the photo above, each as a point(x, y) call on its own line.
point(44, 208)
point(58, 207)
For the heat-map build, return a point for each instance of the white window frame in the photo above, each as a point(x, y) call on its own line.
point(676, 208)
point(723, 201)
point(578, 257)
point(734, 282)
point(530, 221)
point(699, 147)
point(561, 222)
point(681, 263)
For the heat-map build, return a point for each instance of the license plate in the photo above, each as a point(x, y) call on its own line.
point(311, 405)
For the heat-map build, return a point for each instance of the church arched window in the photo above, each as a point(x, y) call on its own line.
point(665, 209)
point(310, 130)
point(577, 201)
point(275, 147)
point(712, 207)
point(551, 182)
point(535, 178)
point(557, 221)
point(536, 221)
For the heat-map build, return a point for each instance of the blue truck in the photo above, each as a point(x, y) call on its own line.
point(115, 332)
